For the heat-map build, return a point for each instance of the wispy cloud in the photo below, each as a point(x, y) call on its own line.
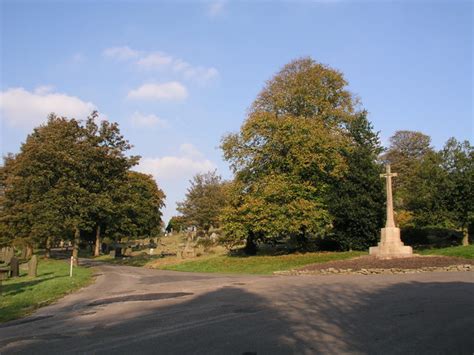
point(170, 91)
point(22, 108)
point(139, 119)
point(121, 53)
point(157, 60)
point(215, 8)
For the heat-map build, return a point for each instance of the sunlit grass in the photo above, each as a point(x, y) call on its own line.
point(459, 251)
point(255, 264)
point(22, 295)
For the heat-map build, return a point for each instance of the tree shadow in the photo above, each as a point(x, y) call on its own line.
point(289, 315)
point(12, 289)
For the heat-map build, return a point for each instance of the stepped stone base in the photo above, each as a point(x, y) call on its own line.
point(391, 246)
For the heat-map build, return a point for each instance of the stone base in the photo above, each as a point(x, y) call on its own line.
point(391, 246)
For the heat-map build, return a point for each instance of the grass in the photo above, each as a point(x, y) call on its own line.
point(138, 260)
point(255, 264)
point(459, 251)
point(21, 296)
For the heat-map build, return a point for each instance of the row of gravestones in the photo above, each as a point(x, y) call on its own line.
point(11, 263)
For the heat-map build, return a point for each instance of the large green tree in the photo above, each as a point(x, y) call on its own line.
point(59, 182)
point(292, 146)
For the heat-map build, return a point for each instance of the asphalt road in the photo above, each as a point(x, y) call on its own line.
point(135, 310)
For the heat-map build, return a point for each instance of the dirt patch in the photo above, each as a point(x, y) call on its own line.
point(371, 262)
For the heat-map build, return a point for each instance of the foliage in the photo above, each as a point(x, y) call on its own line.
point(138, 202)
point(458, 162)
point(22, 295)
point(295, 143)
point(176, 224)
point(68, 177)
point(356, 200)
point(204, 201)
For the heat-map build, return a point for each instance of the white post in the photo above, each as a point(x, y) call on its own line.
point(70, 268)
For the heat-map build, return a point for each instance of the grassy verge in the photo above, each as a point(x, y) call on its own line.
point(138, 260)
point(460, 251)
point(255, 264)
point(21, 296)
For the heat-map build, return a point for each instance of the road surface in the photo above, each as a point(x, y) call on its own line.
point(135, 310)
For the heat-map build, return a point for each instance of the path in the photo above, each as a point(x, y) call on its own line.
point(136, 310)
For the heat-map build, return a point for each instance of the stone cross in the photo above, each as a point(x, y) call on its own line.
point(388, 175)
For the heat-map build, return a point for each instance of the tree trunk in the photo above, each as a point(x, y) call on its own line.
point(465, 236)
point(250, 245)
point(97, 241)
point(47, 251)
point(75, 250)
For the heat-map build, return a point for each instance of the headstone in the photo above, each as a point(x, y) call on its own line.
point(189, 251)
point(14, 267)
point(112, 253)
point(9, 254)
point(214, 237)
point(23, 253)
point(33, 266)
point(390, 245)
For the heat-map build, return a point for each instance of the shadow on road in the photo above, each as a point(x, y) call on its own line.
point(411, 317)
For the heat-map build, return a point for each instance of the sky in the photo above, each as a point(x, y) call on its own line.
point(178, 76)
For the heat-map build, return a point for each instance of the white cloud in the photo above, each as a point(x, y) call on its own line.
point(141, 120)
point(121, 53)
point(22, 108)
point(177, 168)
point(154, 60)
point(216, 8)
point(190, 151)
point(172, 90)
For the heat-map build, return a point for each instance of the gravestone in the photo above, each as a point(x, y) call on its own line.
point(8, 255)
point(390, 245)
point(189, 250)
point(127, 251)
point(23, 253)
point(214, 237)
point(14, 267)
point(112, 253)
point(33, 266)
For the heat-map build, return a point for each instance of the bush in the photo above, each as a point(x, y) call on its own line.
point(430, 237)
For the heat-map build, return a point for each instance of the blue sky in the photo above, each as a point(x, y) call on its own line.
point(177, 76)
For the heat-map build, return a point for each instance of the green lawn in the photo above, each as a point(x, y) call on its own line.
point(20, 296)
point(256, 264)
point(460, 251)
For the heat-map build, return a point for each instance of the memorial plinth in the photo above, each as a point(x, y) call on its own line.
point(390, 245)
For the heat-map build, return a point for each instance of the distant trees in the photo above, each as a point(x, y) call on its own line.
point(434, 188)
point(203, 202)
point(65, 180)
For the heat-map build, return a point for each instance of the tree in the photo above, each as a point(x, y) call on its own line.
point(405, 154)
point(138, 202)
point(288, 151)
point(356, 199)
point(458, 162)
point(176, 223)
point(58, 184)
point(203, 202)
